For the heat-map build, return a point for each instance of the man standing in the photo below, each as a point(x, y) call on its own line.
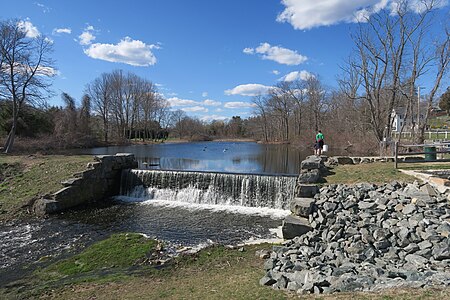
point(319, 143)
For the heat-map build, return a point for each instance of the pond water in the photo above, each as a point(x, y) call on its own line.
point(234, 157)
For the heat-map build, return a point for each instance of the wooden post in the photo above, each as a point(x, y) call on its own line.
point(395, 154)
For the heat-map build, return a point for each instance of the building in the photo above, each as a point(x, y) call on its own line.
point(399, 119)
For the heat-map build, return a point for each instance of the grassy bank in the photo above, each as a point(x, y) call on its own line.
point(24, 177)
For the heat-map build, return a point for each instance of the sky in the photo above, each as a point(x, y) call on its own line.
point(207, 57)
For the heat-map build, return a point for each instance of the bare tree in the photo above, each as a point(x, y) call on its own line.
point(391, 56)
point(25, 69)
point(100, 91)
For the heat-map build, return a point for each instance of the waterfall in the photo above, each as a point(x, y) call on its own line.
point(210, 188)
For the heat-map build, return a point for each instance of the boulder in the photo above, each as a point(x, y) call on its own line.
point(295, 226)
point(306, 190)
point(302, 206)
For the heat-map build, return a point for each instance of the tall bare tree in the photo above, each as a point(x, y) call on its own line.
point(100, 91)
point(26, 66)
point(391, 55)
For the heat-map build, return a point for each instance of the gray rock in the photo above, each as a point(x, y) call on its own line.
point(295, 226)
point(267, 281)
point(302, 206)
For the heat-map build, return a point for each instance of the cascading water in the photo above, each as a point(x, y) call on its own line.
point(248, 190)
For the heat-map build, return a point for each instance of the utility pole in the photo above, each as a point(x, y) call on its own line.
point(418, 106)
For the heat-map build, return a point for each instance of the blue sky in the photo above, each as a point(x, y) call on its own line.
point(207, 57)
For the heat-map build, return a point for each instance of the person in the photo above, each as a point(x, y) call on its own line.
point(319, 143)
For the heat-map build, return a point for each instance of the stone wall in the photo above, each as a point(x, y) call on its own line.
point(100, 180)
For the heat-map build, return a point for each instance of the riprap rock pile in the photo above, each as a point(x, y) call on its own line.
point(367, 237)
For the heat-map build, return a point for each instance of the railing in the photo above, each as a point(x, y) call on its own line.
point(430, 135)
point(439, 148)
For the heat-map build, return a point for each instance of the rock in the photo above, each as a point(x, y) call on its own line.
point(306, 190)
point(267, 281)
point(344, 160)
point(368, 237)
point(311, 176)
point(295, 226)
point(302, 206)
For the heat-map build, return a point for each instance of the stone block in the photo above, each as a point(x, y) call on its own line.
point(310, 163)
point(295, 226)
point(72, 181)
point(344, 160)
point(302, 206)
point(306, 190)
point(311, 176)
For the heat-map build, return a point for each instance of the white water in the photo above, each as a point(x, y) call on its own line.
point(221, 189)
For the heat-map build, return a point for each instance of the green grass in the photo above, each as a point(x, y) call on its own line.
point(24, 177)
point(374, 173)
point(119, 251)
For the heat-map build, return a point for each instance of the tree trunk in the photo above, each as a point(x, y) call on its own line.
point(11, 136)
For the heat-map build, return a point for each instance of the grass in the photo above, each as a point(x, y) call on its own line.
point(374, 173)
point(25, 177)
point(119, 251)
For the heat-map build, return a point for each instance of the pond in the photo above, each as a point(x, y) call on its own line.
point(233, 157)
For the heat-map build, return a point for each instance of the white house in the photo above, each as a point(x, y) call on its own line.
point(398, 119)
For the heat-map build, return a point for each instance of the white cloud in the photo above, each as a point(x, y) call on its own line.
point(205, 94)
point(307, 14)
point(62, 30)
point(175, 101)
point(251, 89)
point(248, 50)
point(239, 105)
point(214, 118)
point(47, 71)
point(210, 102)
point(279, 54)
point(296, 75)
point(127, 51)
point(30, 30)
point(87, 37)
point(276, 72)
point(195, 109)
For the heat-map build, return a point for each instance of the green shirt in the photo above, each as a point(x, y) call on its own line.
point(319, 136)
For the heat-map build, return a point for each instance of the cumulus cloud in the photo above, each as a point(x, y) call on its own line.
point(210, 102)
point(62, 30)
point(175, 101)
point(307, 14)
point(239, 105)
point(195, 109)
point(279, 54)
point(87, 36)
point(297, 75)
point(30, 30)
point(251, 89)
point(127, 51)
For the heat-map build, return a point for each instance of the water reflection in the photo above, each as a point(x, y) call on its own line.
point(236, 157)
